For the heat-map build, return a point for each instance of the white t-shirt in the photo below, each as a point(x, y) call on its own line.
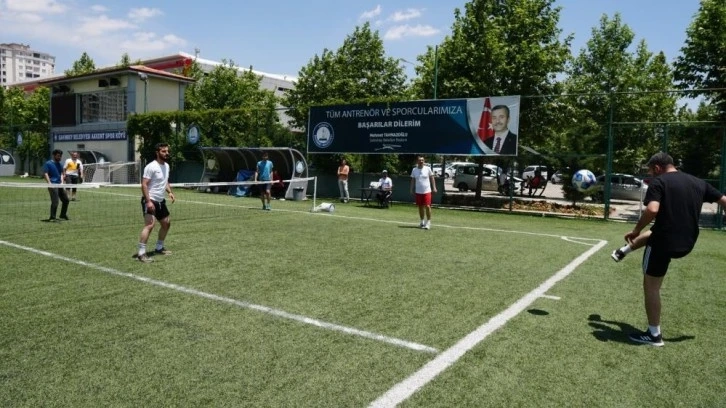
point(159, 176)
point(423, 179)
point(385, 183)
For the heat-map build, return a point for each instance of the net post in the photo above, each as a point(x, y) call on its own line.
point(315, 192)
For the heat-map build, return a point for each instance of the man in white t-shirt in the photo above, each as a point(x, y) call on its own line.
point(154, 186)
point(385, 187)
point(423, 184)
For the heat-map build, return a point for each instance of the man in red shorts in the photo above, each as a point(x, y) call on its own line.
point(423, 184)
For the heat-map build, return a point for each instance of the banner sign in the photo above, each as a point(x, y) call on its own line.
point(471, 127)
point(89, 136)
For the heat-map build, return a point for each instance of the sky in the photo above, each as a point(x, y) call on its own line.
point(282, 36)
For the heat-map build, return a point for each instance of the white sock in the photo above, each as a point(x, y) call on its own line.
point(142, 249)
point(654, 330)
point(626, 249)
point(159, 244)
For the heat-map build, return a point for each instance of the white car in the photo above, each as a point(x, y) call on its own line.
point(448, 172)
point(557, 177)
point(465, 178)
point(528, 172)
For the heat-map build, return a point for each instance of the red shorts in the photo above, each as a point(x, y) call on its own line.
point(423, 199)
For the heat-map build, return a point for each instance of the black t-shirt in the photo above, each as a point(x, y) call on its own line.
point(681, 197)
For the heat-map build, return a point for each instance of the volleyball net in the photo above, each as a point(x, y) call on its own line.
point(24, 206)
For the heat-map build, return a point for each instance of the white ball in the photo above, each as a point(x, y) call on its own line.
point(583, 180)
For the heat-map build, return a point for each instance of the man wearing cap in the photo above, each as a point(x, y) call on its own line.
point(385, 185)
point(674, 200)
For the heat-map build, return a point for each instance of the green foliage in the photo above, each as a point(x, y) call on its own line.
point(83, 65)
point(217, 127)
point(125, 60)
point(615, 84)
point(703, 57)
point(29, 114)
point(480, 59)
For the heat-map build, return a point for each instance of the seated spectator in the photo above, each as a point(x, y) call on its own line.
point(533, 183)
point(385, 187)
point(278, 186)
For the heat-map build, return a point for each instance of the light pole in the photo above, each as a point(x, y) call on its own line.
point(145, 78)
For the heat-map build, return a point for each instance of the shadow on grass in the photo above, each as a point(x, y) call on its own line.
point(605, 332)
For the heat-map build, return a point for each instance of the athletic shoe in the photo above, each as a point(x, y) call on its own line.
point(647, 338)
point(268, 207)
point(422, 224)
point(427, 225)
point(617, 255)
point(162, 251)
point(64, 217)
point(53, 219)
point(144, 258)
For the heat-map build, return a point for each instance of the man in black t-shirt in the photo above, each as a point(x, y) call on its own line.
point(674, 200)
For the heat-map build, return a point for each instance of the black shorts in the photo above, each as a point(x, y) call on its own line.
point(72, 179)
point(656, 259)
point(160, 210)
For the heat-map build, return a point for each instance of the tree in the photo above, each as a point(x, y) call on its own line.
point(702, 63)
point(613, 84)
point(357, 71)
point(506, 47)
point(228, 87)
point(84, 65)
point(125, 60)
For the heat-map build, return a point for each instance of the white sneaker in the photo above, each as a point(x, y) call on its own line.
point(422, 224)
point(427, 225)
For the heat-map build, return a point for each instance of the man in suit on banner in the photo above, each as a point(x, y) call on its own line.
point(504, 141)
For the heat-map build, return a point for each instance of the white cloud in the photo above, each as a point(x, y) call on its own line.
point(29, 18)
point(35, 6)
point(408, 14)
point(144, 13)
point(98, 25)
point(401, 31)
point(147, 42)
point(65, 25)
point(367, 15)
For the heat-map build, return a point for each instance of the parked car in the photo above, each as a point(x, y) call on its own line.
point(622, 187)
point(465, 178)
point(528, 171)
point(557, 177)
point(448, 171)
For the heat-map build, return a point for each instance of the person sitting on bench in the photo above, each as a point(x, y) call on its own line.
point(385, 187)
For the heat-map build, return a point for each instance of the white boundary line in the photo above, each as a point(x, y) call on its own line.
point(245, 305)
point(404, 389)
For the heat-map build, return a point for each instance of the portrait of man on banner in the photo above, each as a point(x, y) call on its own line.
point(495, 122)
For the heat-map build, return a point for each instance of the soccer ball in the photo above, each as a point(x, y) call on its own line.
point(583, 180)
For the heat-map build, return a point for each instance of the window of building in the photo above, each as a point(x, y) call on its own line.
point(103, 106)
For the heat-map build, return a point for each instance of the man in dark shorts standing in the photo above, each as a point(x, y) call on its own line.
point(674, 200)
point(154, 185)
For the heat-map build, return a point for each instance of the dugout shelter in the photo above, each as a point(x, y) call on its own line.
point(223, 164)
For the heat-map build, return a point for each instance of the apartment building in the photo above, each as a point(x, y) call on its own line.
point(18, 63)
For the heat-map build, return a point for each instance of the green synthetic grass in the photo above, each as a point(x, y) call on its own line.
point(75, 335)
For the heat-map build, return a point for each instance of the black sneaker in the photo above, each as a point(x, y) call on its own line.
point(617, 255)
point(647, 338)
point(162, 251)
point(64, 217)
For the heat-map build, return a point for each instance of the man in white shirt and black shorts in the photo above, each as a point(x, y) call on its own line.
point(423, 184)
point(154, 186)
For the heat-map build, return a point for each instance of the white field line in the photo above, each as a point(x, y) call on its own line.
point(245, 305)
point(404, 389)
